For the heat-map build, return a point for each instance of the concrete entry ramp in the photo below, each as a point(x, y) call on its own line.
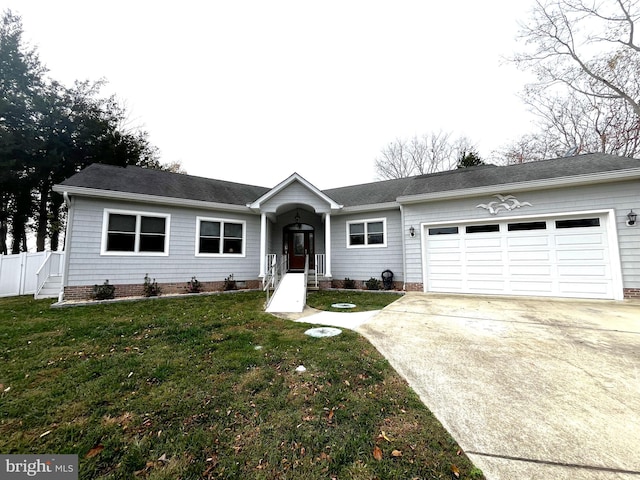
point(529, 388)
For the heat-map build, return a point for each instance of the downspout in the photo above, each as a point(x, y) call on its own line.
point(67, 240)
point(404, 250)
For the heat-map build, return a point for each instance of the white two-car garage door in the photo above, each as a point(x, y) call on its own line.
point(563, 257)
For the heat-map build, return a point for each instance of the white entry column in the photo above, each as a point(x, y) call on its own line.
point(327, 244)
point(263, 242)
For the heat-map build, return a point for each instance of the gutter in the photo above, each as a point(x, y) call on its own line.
point(368, 208)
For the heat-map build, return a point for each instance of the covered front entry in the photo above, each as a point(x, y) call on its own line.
point(563, 256)
point(298, 243)
point(290, 216)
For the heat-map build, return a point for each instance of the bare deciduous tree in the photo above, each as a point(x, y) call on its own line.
point(433, 152)
point(586, 59)
point(588, 46)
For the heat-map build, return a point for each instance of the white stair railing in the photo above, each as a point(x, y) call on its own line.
point(52, 266)
point(319, 267)
point(274, 273)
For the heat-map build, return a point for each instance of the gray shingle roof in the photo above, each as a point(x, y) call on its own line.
point(481, 176)
point(165, 184)
point(370, 193)
point(546, 169)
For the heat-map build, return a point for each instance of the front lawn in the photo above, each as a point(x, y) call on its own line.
point(207, 387)
point(363, 300)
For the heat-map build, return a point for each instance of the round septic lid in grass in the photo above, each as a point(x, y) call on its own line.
point(323, 332)
point(343, 305)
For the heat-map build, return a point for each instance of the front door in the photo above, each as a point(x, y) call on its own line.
point(299, 244)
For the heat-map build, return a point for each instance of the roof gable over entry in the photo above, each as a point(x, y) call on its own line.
point(295, 190)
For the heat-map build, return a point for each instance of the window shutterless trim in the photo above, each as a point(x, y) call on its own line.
point(222, 222)
point(365, 233)
point(138, 214)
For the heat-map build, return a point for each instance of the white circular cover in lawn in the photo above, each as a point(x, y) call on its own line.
point(343, 305)
point(323, 332)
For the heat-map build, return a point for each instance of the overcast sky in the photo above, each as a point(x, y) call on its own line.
point(252, 91)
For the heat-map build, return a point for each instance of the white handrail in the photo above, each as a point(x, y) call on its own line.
point(274, 273)
point(319, 267)
point(43, 273)
point(45, 270)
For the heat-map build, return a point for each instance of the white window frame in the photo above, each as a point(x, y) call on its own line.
point(366, 221)
point(222, 221)
point(136, 251)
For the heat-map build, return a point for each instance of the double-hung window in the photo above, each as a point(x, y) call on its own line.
point(135, 233)
point(367, 233)
point(216, 236)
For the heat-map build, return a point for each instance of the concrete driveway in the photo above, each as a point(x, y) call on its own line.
point(529, 388)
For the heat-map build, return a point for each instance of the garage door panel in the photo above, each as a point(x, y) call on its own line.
point(444, 242)
point(487, 270)
point(483, 243)
point(520, 239)
point(485, 286)
point(446, 270)
point(446, 285)
point(528, 256)
point(530, 270)
point(450, 257)
point(494, 256)
point(582, 270)
point(581, 255)
point(559, 260)
point(540, 287)
point(578, 239)
point(595, 290)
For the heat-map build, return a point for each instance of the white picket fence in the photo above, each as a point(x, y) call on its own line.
point(18, 272)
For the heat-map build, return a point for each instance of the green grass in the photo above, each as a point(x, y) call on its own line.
point(363, 300)
point(208, 384)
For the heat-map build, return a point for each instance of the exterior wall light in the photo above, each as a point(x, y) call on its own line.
point(631, 218)
point(412, 231)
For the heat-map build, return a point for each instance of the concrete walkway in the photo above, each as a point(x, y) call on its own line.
point(529, 388)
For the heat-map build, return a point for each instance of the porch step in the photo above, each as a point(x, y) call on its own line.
point(290, 296)
point(51, 288)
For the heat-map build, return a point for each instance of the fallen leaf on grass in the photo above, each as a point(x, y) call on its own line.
point(383, 436)
point(455, 470)
point(377, 453)
point(94, 451)
point(396, 453)
point(324, 456)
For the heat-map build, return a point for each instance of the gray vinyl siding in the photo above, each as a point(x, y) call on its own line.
point(86, 266)
point(364, 263)
point(295, 194)
point(620, 196)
